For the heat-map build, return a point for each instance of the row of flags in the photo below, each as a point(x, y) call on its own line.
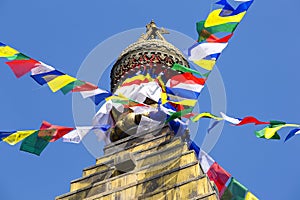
point(43, 74)
point(228, 187)
point(35, 141)
point(215, 32)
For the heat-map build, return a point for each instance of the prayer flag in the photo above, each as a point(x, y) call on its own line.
point(18, 136)
point(85, 87)
point(230, 119)
point(250, 196)
point(203, 50)
point(6, 51)
point(87, 94)
point(22, 67)
point(250, 120)
point(236, 190)
point(205, 161)
point(215, 18)
point(77, 135)
point(205, 64)
point(59, 133)
point(182, 68)
point(205, 115)
point(42, 78)
point(60, 82)
point(4, 134)
point(68, 88)
point(34, 144)
point(179, 114)
point(42, 68)
point(217, 174)
point(292, 134)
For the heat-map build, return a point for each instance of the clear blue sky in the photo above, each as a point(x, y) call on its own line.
point(259, 69)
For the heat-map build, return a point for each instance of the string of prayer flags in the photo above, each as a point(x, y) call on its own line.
point(221, 21)
point(42, 73)
point(227, 189)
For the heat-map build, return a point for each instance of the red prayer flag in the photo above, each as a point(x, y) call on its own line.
point(60, 130)
point(22, 67)
point(85, 87)
point(220, 40)
point(251, 120)
point(218, 175)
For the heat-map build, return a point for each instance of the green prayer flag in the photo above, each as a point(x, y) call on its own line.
point(227, 195)
point(276, 123)
point(179, 114)
point(71, 86)
point(34, 144)
point(237, 190)
point(181, 68)
point(205, 33)
point(261, 134)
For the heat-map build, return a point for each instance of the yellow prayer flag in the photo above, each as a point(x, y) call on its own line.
point(187, 102)
point(205, 64)
point(270, 132)
point(208, 115)
point(215, 19)
point(18, 137)
point(250, 196)
point(6, 51)
point(60, 82)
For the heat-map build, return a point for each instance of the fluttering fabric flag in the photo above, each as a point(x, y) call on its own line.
point(17, 137)
point(34, 144)
point(235, 190)
point(59, 132)
point(182, 68)
point(42, 73)
point(217, 174)
point(205, 115)
point(77, 135)
point(22, 67)
point(230, 119)
point(179, 114)
point(221, 21)
point(60, 82)
point(185, 85)
point(270, 132)
point(250, 120)
point(250, 196)
point(7, 51)
point(4, 134)
point(205, 161)
point(292, 133)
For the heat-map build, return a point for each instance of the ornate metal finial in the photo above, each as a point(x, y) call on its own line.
point(153, 32)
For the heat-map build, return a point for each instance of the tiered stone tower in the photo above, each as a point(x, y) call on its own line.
point(150, 165)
